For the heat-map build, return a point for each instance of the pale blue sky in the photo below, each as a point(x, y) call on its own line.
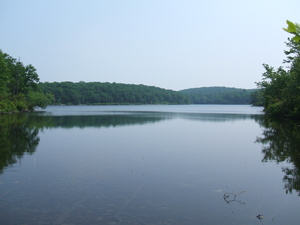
point(172, 44)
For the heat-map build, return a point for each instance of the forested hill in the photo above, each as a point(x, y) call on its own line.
point(111, 93)
point(117, 93)
point(219, 95)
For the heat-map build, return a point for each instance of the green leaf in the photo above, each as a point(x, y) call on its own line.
point(298, 28)
point(296, 39)
point(291, 27)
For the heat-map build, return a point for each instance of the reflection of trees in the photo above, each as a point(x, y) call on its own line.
point(99, 120)
point(19, 132)
point(217, 117)
point(17, 138)
point(140, 118)
point(281, 141)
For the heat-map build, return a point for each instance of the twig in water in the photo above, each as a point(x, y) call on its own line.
point(232, 197)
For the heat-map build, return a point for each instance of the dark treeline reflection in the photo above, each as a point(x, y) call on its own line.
point(281, 143)
point(217, 117)
point(97, 121)
point(19, 132)
point(113, 119)
point(18, 136)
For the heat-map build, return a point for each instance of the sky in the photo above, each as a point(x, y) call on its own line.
point(171, 44)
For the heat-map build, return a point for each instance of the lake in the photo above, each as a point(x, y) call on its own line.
point(149, 164)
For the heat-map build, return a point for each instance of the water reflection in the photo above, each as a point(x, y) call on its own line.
point(121, 167)
point(19, 132)
point(217, 117)
point(98, 121)
point(18, 137)
point(281, 141)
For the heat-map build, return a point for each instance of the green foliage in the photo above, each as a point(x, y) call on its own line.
point(219, 95)
point(7, 106)
point(110, 93)
point(19, 89)
point(293, 28)
point(280, 89)
point(3, 76)
point(39, 99)
point(257, 98)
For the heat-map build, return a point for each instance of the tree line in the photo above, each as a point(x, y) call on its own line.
point(110, 93)
point(279, 90)
point(70, 93)
point(19, 90)
point(219, 95)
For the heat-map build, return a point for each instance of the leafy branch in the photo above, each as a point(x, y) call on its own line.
point(293, 28)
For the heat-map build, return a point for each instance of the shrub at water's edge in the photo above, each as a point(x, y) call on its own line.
point(19, 90)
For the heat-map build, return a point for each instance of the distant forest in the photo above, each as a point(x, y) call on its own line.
point(219, 95)
point(110, 93)
point(69, 93)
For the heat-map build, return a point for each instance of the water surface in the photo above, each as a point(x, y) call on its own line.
point(195, 164)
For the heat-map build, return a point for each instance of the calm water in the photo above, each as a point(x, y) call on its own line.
point(195, 164)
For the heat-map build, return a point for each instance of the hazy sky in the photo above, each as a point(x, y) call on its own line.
point(172, 44)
